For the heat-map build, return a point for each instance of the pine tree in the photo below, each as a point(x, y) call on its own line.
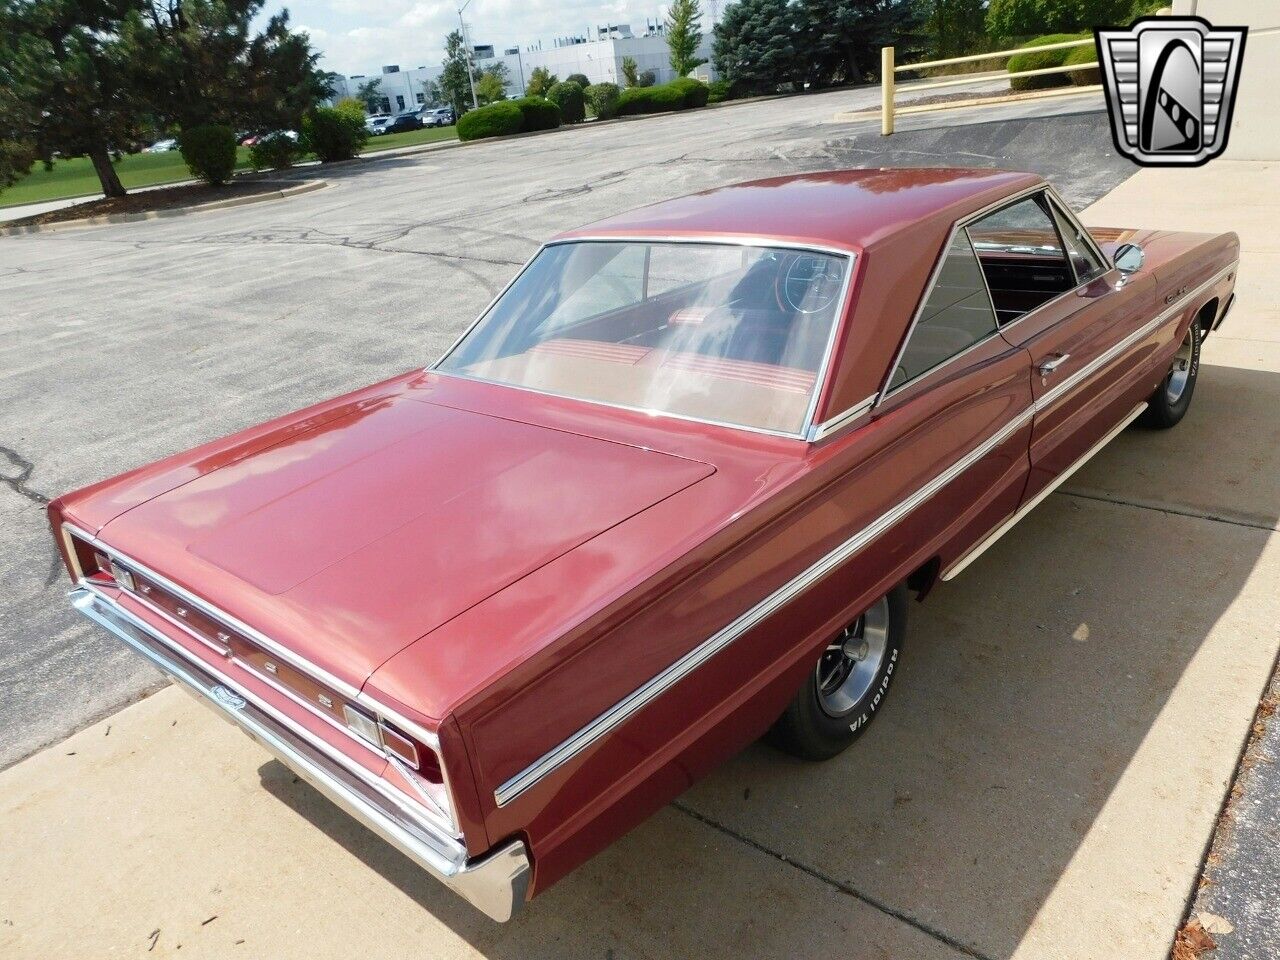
point(684, 35)
point(755, 45)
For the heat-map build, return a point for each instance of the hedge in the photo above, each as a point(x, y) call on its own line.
point(1043, 61)
point(210, 152)
point(507, 117)
point(335, 133)
point(1083, 78)
point(679, 94)
point(567, 95)
point(539, 113)
point(276, 151)
point(603, 99)
point(496, 120)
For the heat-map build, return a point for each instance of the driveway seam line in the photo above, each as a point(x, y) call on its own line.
point(846, 889)
point(1175, 511)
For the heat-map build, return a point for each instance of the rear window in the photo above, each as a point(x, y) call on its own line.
point(728, 333)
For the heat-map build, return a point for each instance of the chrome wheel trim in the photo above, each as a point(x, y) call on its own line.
point(852, 660)
point(1180, 373)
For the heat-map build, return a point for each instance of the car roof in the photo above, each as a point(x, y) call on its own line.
point(848, 209)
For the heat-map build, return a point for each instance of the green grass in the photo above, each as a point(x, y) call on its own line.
point(410, 138)
point(75, 178)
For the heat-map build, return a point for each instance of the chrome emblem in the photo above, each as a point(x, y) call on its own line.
point(325, 702)
point(180, 611)
point(1171, 87)
point(228, 698)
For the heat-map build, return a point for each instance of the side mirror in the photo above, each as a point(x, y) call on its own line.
point(1129, 259)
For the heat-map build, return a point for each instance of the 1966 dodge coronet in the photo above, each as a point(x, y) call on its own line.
point(668, 494)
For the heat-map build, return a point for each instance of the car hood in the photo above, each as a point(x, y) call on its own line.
point(353, 537)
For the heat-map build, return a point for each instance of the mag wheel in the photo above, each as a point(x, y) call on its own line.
point(1168, 405)
point(848, 684)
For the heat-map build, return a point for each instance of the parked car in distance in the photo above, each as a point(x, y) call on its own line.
point(377, 123)
point(163, 146)
point(403, 122)
point(438, 117)
point(669, 493)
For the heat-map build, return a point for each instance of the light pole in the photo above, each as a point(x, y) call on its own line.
point(467, 42)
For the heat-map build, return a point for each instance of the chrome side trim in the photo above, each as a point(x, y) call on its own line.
point(823, 373)
point(496, 883)
point(956, 568)
point(617, 714)
point(1049, 398)
point(820, 430)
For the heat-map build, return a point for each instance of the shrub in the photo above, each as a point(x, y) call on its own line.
point(273, 152)
point(538, 114)
point(335, 133)
point(720, 91)
point(647, 79)
point(677, 95)
point(694, 92)
point(496, 120)
point(603, 99)
point(567, 95)
point(210, 152)
point(1083, 78)
point(1041, 61)
point(579, 78)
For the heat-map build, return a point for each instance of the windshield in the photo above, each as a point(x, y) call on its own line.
point(713, 331)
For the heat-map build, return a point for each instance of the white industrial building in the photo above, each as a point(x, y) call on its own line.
point(598, 57)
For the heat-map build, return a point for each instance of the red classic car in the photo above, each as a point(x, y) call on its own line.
point(668, 494)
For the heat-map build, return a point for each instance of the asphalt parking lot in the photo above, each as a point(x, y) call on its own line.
point(1041, 783)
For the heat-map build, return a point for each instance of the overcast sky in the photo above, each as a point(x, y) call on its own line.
point(360, 36)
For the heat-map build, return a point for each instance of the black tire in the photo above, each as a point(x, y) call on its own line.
point(810, 728)
point(1169, 403)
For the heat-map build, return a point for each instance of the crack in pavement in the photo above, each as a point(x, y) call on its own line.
point(1171, 509)
point(18, 484)
point(841, 886)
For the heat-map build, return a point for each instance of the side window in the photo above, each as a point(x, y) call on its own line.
point(1084, 261)
point(1022, 257)
point(956, 315)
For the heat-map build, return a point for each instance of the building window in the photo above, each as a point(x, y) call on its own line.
point(399, 102)
point(386, 105)
point(421, 98)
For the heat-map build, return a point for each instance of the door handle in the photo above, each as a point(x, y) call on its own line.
point(1051, 364)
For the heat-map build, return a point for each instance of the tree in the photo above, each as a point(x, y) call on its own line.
point(953, 28)
point(202, 63)
point(630, 72)
point(367, 92)
point(684, 35)
point(1009, 19)
point(455, 80)
point(492, 85)
point(540, 81)
point(755, 44)
point(67, 88)
point(844, 37)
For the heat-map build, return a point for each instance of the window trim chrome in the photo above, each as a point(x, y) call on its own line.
point(851, 255)
point(963, 224)
point(447, 818)
point(624, 709)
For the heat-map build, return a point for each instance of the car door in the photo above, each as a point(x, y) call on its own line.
point(955, 423)
point(1058, 297)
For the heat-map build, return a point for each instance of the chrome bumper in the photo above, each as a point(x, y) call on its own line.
point(495, 883)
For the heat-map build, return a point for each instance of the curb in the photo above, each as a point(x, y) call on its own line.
point(908, 110)
point(111, 218)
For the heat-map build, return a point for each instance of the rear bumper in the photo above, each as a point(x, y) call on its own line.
point(495, 883)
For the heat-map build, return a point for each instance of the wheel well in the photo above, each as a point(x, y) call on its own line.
point(922, 579)
point(1208, 313)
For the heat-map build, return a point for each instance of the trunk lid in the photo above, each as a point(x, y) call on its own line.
point(349, 541)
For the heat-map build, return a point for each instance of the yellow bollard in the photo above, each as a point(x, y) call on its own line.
point(886, 90)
